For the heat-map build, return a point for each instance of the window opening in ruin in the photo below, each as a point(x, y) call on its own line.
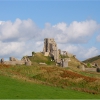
point(46, 45)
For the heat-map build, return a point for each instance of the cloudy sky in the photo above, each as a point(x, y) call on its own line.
point(75, 26)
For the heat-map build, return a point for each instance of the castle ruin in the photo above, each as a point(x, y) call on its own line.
point(50, 49)
point(15, 61)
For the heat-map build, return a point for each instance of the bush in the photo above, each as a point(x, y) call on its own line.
point(98, 69)
point(88, 64)
point(33, 53)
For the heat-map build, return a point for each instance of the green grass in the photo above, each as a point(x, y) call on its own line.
point(39, 81)
point(39, 57)
point(15, 89)
point(54, 76)
point(90, 74)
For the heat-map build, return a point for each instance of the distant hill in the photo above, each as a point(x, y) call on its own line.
point(93, 60)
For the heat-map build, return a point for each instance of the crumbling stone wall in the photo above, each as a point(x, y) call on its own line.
point(64, 62)
point(2, 60)
point(91, 69)
point(14, 61)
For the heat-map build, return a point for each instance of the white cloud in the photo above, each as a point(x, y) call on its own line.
point(24, 36)
point(1, 22)
point(98, 38)
point(19, 49)
point(20, 30)
point(81, 52)
point(91, 52)
point(12, 48)
point(23, 30)
point(76, 32)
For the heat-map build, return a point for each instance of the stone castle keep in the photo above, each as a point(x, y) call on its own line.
point(50, 49)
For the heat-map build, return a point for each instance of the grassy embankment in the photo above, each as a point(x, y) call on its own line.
point(15, 89)
point(46, 81)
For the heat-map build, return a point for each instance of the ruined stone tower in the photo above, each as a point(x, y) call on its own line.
point(50, 49)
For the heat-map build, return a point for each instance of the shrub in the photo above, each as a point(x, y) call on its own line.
point(98, 69)
point(88, 64)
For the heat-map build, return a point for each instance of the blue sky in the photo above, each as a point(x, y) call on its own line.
point(75, 25)
point(50, 11)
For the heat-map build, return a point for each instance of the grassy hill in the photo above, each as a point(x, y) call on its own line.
point(15, 89)
point(39, 57)
point(52, 76)
point(48, 81)
point(93, 60)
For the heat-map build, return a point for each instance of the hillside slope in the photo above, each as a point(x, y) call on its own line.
point(53, 76)
point(15, 89)
point(93, 60)
point(40, 58)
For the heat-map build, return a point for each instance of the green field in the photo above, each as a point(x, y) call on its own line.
point(17, 89)
point(48, 81)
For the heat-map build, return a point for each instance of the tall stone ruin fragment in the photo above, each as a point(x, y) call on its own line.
point(50, 49)
point(2, 60)
point(64, 62)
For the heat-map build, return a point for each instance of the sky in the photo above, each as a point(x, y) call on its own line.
point(74, 24)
